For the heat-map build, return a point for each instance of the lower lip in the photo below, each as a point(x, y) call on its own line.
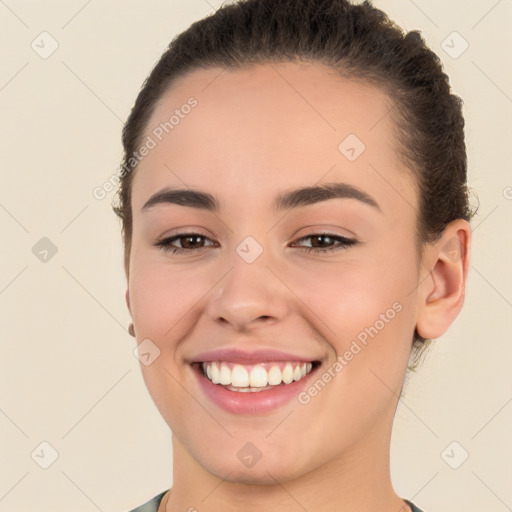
point(257, 402)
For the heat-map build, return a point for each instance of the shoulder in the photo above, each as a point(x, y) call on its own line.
point(414, 508)
point(151, 505)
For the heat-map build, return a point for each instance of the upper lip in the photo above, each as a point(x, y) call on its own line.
point(238, 355)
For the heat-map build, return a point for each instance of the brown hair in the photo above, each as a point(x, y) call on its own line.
point(357, 41)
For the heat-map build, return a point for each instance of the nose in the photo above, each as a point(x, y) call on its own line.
point(249, 296)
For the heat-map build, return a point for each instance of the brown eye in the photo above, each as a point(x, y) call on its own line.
point(323, 242)
point(320, 240)
point(189, 242)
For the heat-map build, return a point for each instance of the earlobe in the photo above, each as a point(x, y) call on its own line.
point(441, 294)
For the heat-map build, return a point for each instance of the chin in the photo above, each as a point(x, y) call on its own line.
point(260, 474)
point(258, 468)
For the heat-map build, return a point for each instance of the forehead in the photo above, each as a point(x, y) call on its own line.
point(269, 126)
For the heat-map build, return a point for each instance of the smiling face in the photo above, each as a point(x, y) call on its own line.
point(257, 273)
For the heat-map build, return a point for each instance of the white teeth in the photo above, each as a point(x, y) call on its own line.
point(255, 376)
point(288, 374)
point(239, 377)
point(225, 375)
point(275, 376)
point(215, 373)
point(258, 377)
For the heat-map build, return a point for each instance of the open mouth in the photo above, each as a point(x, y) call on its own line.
point(254, 377)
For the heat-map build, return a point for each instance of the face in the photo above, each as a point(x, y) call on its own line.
point(327, 279)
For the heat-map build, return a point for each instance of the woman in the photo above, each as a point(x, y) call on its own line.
point(296, 229)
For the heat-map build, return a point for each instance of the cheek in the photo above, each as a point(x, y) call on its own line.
point(162, 298)
point(164, 302)
point(366, 317)
point(348, 296)
point(365, 310)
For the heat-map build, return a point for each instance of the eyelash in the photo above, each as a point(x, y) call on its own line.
point(342, 243)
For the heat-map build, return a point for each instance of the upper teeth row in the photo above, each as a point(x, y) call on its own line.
point(257, 376)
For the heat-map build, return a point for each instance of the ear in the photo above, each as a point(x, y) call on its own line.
point(442, 292)
point(127, 295)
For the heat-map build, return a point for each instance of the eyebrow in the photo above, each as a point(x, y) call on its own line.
point(285, 201)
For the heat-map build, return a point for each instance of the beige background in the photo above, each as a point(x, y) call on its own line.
point(68, 376)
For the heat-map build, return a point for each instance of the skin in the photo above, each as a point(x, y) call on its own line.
point(257, 132)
